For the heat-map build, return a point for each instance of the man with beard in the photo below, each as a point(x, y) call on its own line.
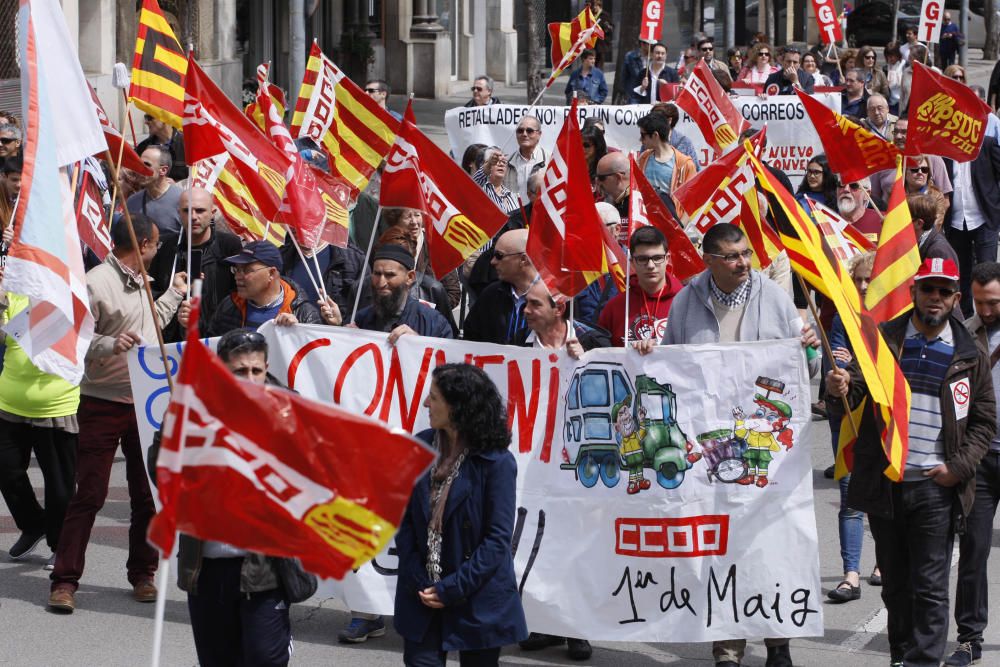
point(952, 423)
point(853, 205)
point(393, 310)
point(971, 601)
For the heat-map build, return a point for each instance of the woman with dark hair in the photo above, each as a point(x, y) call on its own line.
point(456, 589)
point(734, 57)
point(594, 148)
point(819, 184)
point(875, 80)
point(893, 74)
point(472, 158)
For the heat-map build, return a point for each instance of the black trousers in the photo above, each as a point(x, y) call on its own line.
point(233, 629)
point(972, 247)
point(55, 451)
point(914, 553)
point(971, 601)
point(428, 653)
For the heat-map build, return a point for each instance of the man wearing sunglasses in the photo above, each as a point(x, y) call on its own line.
point(951, 425)
point(523, 160)
point(852, 202)
point(10, 140)
point(482, 92)
point(378, 90)
point(163, 134)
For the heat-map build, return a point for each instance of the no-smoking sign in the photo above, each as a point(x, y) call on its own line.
point(960, 396)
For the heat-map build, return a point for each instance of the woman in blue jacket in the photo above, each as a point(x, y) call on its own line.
point(456, 589)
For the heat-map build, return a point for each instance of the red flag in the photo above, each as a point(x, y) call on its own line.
point(460, 218)
point(213, 125)
point(645, 209)
point(946, 117)
point(91, 221)
point(715, 194)
point(709, 106)
point(319, 483)
point(117, 143)
point(854, 152)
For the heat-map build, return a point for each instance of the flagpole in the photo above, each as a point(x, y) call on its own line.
point(628, 285)
point(827, 349)
point(368, 254)
point(305, 265)
point(163, 572)
point(190, 222)
point(871, 201)
point(120, 80)
point(145, 276)
point(319, 275)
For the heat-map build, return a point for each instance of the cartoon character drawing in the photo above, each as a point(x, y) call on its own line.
point(763, 431)
point(631, 435)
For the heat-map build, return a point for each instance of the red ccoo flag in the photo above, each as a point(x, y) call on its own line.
point(646, 209)
point(709, 106)
point(946, 117)
point(319, 483)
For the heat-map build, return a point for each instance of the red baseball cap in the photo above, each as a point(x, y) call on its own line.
point(935, 267)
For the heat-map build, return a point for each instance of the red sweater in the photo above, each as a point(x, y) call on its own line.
point(647, 314)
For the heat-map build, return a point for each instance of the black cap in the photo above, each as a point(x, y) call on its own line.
point(396, 253)
point(258, 251)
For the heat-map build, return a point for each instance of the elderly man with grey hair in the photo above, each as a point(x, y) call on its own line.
point(523, 160)
point(482, 92)
point(879, 120)
point(10, 140)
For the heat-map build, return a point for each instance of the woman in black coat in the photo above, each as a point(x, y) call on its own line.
point(456, 589)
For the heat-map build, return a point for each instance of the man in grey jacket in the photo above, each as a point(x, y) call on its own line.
point(729, 303)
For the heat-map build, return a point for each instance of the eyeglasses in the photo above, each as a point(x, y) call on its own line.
point(920, 170)
point(733, 257)
point(765, 53)
point(372, 91)
point(657, 260)
point(240, 339)
point(958, 77)
point(526, 130)
point(945, 292)
point(200, 211)
point(852, 186)
point(707, 48)
point(587, 144)
point(242, 270)
point(601, 177)
point(814, 172)
point(7, 140)
point(499, 256)
point(870, 55)
point(477, 89)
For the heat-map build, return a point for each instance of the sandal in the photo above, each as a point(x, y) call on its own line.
point(876, 578)
point(845, 592)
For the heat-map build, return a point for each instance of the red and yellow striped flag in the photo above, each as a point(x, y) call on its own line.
point(234, 200)
point(158, 68)
point(277, 95)
point(570, 39)
point(886, 384)
point(335, 113)
point(897, 259)
point(844, 464)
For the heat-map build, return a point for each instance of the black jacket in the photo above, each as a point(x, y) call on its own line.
point(785, 86)
point(482, 272)
point(427, 289)
point(495, 316)
point(965, 440)
point(936, 246)
point(232, 313)
point(218, 282)
point(985, 171)
point(423, 319)
point(340, 277)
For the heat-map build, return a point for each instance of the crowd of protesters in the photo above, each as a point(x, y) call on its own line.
point(951, 484)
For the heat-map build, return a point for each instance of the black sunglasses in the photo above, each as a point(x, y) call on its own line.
point(945, 292)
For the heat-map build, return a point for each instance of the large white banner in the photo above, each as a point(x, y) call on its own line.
point(720, 540)
point(791, 138)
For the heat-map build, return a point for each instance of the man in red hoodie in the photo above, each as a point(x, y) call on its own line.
point(651, 291)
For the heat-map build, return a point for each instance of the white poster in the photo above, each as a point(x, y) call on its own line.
point(717, 540)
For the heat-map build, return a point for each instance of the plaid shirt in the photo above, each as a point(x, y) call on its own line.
point(734, 299)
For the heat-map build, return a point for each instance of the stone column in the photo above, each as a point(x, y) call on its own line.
point(425, 20)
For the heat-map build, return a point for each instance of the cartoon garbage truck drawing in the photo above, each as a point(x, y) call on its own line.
point(598, 394)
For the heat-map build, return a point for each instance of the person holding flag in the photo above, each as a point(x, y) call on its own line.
point(647, 89)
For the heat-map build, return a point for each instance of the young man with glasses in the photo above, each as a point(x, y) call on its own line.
point(523, 160)
point(378, 90)
point(854, 99)
point(706, 50)
point(952, 423)
point(159, 197)
point(482, 92)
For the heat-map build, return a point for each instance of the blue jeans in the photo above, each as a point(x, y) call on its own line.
point(850, 521)
point(914, 554)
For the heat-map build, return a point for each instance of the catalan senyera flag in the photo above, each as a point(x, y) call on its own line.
point(213, 125)
point(276, 95)
point(235, 202)
point(304, 479)
point(158, 67)
point(459, 218)
point(646, 209)
point(844, 463)
point(886, 384)
point(897, 259)
point(946, 117)
point(843, 237)
point(854, 152)
point(571, 38)
point(709, 106)
point(334, 112)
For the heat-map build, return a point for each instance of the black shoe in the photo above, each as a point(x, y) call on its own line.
point(845, 592)
point(579, 649)
point(25, 545)
point(876, 578)
point(967, 653)
point(727, 663)
point(828, 473)
point(537, 641)
point(778, 656)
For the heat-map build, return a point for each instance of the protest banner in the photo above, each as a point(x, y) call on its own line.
point(931, 13)
point(791, 138)
point(708, 551)
point(651, 29)
point(828, 22)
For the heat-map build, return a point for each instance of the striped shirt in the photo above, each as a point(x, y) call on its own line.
point(925, 364)
point(504, 198)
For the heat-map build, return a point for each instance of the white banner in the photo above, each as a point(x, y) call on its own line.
point(704, 550)
point(931, 20)
point(791, 138)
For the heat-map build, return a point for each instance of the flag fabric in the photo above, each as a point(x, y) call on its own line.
point(853, 151)
point(158, 67)
point(353, 129)
point(213, 125)
point(946, 117)
point(570, 39)
point(709, 106)
point(116, 142)
point(92, 222)
point(235, 202)
point(647, 209)
point(566, 235)
point(317, 483)
point(44, 261)
point(844, 238)
point(846, 440)
point(459, 217)
point(277, 95)
point(896, 260)
point(886, 384)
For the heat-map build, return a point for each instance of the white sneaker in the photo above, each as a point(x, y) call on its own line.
point(50, 564)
